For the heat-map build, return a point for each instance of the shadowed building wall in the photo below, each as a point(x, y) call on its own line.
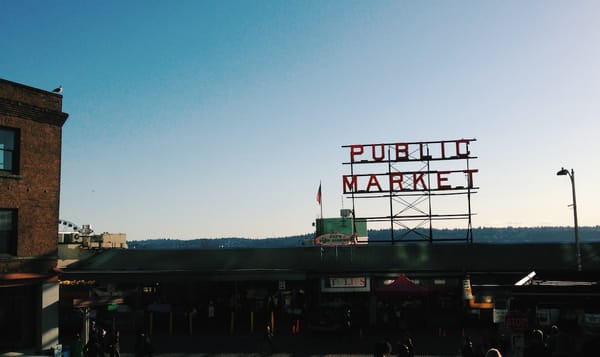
point(31, 123)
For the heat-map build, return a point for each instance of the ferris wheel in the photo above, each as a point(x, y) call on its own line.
point(68, 226)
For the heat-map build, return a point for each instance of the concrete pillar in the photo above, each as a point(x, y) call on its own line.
point(48, 334)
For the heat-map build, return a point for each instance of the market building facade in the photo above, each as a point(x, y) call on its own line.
point(322, 289)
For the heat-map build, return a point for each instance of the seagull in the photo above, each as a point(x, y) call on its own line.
point(58, 90)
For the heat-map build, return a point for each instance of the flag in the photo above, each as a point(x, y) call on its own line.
point(319, 194)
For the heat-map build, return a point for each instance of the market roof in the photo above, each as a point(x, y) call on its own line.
point(302, 262)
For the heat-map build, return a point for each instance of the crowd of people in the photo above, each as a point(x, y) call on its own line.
point(100, 344)
point(533, 343)
point(104, 344)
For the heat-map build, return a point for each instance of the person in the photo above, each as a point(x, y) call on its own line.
point(102, 342)
point(560, 343)
point(93, 330)
point(114, 348)
point(382, 349)
point(210, 314)
point(536, 347)
point(403, 351)
point(493, 352)
point(143, 345)
point(405, 346)
point(348, 323)
point(268, 340)
point(92, 347)
point(467, 348)
point(552, 339)
point(77, 347)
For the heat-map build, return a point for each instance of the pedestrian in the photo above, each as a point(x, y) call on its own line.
point(348, 323)
point(210, 314)
point(552, 339)
point(93, 330)
point(267, 345)
point(382, 349)
point(560, 343)
point(536, 346)
point(114, 348)
point(92, 347)
point(493, 352)
point(143, 345)
point(102, 342)
point(405, 346)
point(403, 351)
point(77, 346)
point(467, 348)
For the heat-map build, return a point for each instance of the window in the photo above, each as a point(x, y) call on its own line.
point(8, 231)
point(8, 150)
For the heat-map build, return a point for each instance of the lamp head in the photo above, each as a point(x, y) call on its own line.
point(562, 172)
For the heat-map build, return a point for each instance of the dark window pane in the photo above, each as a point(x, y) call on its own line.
point(7, 231)
point(7, 139)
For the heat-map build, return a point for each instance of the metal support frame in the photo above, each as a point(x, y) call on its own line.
point(411, 213)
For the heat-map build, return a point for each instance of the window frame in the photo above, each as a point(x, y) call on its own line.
point(13, 152)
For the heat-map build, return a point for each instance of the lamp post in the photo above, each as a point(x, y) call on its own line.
point(571, 175)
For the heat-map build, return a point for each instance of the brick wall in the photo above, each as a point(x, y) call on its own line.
point(35, 190)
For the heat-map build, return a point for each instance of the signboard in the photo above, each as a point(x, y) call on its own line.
point(407, 177)
point(500, 315)
point(333, 239)
point(467, 291)
point(346, 284)
point(399, 181)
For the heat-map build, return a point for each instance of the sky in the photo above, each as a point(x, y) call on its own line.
point(193, 119)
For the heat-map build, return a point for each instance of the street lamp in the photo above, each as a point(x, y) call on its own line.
point(571, 175)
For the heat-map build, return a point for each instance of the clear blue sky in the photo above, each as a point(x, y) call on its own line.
point(219, 118)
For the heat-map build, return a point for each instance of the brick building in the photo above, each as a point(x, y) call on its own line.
point(31, 123)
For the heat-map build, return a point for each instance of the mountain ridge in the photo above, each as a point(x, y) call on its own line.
point(506, 235)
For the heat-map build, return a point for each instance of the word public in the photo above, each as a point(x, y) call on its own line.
point(417, 151)
point(397, 180)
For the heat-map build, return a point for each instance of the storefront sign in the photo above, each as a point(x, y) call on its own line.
point(500, 315)
point(467, 291)
point(345, 284)
point(333, 239)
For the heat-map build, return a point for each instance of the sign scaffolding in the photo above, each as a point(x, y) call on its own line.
point(418, 187)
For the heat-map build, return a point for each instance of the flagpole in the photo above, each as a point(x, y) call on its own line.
point(320, 199)
point(321, 204)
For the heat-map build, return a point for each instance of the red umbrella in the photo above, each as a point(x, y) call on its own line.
point(403, 286)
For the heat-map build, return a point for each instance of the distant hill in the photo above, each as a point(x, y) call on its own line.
point(508, 235)
point(212, 243)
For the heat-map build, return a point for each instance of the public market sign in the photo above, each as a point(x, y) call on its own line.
point(413, 178)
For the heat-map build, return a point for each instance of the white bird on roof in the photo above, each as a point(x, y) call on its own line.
point(58, 90)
